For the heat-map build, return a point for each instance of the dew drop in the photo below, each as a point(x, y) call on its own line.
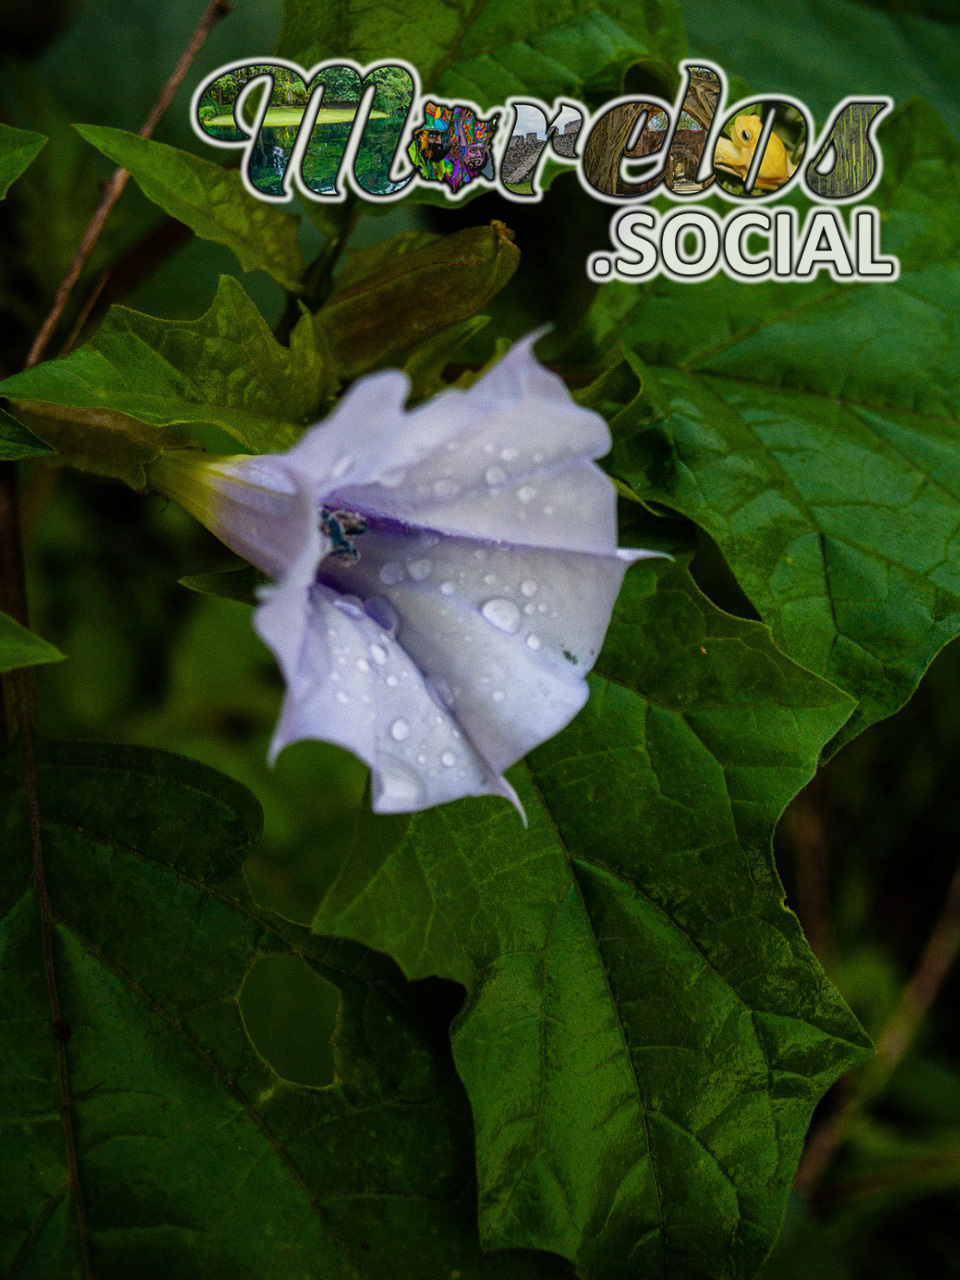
point(421, 758)
point(384, 614)
point(342, 697)
point(538, 457)
point(495, 475)
point(440, 688)
point(420, 569)
point(392, 681)
point(343, 466)
point(534, 642)
point(529, 608)
point(401, 785)
point(502, 614)
point(548, 511)
point(529, 588)
point(399, 730)
point(508, 455)
point(448, 759)
point(447, 588)
point(498, 695)
point(352, 606)
point(390, 479)
point(490, 579)
point(378, 653)
point(392, 573)
point(446, 488)
point(527, 493)
point(363, 665)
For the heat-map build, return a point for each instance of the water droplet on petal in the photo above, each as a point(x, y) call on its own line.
point(528, 588)
point(538, 457)
point(448, 759)
point(440, 688)
point(446, 488)
point(343, 466)
point(548, 511)
point(363, 665)
point(399, 730)
point(352, 606)
point(508, 455)
point(392, 573)
point(378, 653)
point(420, 569)
point(342, 697)
point(400, 783)
point(447, 588)
point(384, 614)
point(495, 475)
point(502, 614)
point(490, 579)
point(390, 479)
point(529, 608)
point(392, 681)
point(534, 642)
point(498, 695)
point(527, 493)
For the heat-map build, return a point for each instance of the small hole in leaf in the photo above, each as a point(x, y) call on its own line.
point(290, 1014)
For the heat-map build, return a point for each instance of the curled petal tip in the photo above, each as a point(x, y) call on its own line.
point(632, 554)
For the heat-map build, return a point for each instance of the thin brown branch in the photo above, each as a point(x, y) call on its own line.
point(18, 705)
point(916, 1000)
point(61, 1031)
point(113, 190)
point(16, 701)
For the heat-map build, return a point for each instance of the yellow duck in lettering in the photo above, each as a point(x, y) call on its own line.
point(736, 154)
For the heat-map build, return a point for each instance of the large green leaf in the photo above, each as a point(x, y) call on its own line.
point(21, 648)
point(489, 49)
point(646, 1032)
point(137, 373)
point(811, 429)
point(18, 147)
point(17, 443)
point(210, 200)
point(823, 50)
point(193, 1157)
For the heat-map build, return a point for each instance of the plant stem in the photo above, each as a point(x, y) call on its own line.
point(318, 278)
point(939, 956)
point(113, 190)
point(18, 689)
point(18, 708)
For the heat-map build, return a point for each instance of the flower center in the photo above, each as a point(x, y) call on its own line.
point(341, 527)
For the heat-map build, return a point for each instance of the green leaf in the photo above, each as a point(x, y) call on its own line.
point(239, 582)
point(21, 648)
point(646, 1033)
point(193, 1156)
point(224, 370)
point(488, 49)
point(17, 443)
point(811, 430)
point(823, 50)
point(415, 294)
point(18, 148)
point(210, 200)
